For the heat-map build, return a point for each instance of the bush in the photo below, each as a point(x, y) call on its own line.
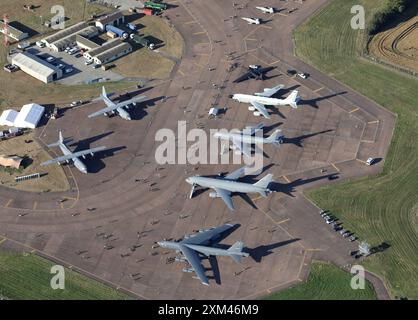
point(392, 8)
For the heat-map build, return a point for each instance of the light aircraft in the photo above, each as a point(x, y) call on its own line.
point(259, 100)
point(243, 140)
point(224, 186)
point(266, 9)
point(118, 108)
point(251, 20)
point(201, 244)
point(71, 156)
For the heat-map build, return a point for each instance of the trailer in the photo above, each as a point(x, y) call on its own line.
point(154, 5)
point(119, 32)
point(142, 41)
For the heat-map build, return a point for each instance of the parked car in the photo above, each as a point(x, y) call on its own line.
point(330, 220)
point(78, 55)
point(76, 103)
point(343, 231)
point(67, 49)
point(370, 161)
point(50, 59)
point(61, 66)
point(303, 75)
point(68, 70)
point(40, 44)
point(96, 66)
point(352, 238)
point(88, 62)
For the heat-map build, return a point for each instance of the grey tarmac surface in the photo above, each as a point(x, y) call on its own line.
point(116, 214)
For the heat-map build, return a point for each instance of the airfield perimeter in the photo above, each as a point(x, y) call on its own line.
point(116, 207)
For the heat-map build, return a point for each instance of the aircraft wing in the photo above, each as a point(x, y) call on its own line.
point(194, 260)
point(73, 155)
point(254, 129)
point(243, 77)
point(130, 101)
point(236, 174)
point(260, 108)
point(243, 147)
point(206, 236)
point(268, 92)
point(226, 197)
point(103, 111)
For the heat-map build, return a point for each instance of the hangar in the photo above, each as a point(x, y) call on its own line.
point(85, 43)
point(28, 117)
point(36, 67)
point(113, 53)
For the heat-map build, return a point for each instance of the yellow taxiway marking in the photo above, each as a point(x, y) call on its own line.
point(282, 14)
point(361, 161)
point(288, 181)
point(317, 90)
point(354, 110)
point(375, 121)
point(8, 203)
point(314, 249)
point(335, 167)
point(277, 61)
point(62, 205)
point(251, 39)
point(190, 22)
point(202, 43)
point(199, 65)
point(367, 141)
point(33, 251)
point(197, 33)
point(35, 205)
point(283, 221)
point(267, 27)
point(2, 240)
point(256, 198)
point(181, 72)
point(202, 54)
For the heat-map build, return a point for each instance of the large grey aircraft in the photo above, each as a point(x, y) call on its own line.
point(71, 156)
point(201, 244)
point(224, 186)
point(116, 107)
point(243, 140)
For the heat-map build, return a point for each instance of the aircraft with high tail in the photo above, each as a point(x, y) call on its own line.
point(251, 20)
point(118, 108)
point(259, 100)
point(195, 247)
point(224, 186)
point(243, 140)
point(71, 156)
point(266, 9)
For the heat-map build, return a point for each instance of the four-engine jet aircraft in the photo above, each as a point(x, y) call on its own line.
point(224, 186)
point(70, 156)
point(266, 9)
point(255, 72)
point(259, 100)
point(251, 20)
point(116, 107)
point(243, 140)
point(201, 244)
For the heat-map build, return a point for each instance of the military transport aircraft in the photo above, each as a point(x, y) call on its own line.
point(202, 244)
point(254, 72)
point(116, 107)
point(224, 186)
point(71, 156)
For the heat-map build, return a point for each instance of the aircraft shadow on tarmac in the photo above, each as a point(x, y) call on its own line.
point(298, 141)
point(95, 164)
point(314, 102)
point(258, 253)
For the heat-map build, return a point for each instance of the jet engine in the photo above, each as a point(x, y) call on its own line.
point(213, 195)
point(257, 114)
point(188, 270)
point(251, 108)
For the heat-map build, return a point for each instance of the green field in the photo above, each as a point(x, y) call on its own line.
point(325, 282)
point(382, 208)
point(27, 277)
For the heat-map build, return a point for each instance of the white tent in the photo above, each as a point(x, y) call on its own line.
point(29, 116)
point(8, 117)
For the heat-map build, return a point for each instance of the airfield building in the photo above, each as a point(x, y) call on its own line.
point(13, 32)
point(85, 43)
point(68, 37)
point(36, 67)
point(109, 51)
point(115, 19)
point(28, 117)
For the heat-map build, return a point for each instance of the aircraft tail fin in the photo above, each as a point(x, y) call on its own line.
point(236, 251)
point(104, 94)
point(293, 99)
point(264, 183)
point(275, 136)
point(59, 142)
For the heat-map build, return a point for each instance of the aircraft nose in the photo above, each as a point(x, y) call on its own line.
point(231, 96)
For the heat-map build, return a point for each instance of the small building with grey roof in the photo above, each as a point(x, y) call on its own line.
point(115, 19)
point(13, 32)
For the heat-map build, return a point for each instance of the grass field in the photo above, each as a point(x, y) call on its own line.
point(27, 277)
point(381, 208)
point(325, 282)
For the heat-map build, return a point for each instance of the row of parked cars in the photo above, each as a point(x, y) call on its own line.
point(78, 53)
point(337, 226)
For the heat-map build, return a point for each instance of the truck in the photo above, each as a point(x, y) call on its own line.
point(119, 32)
point(154, 5)
point(142, 41)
